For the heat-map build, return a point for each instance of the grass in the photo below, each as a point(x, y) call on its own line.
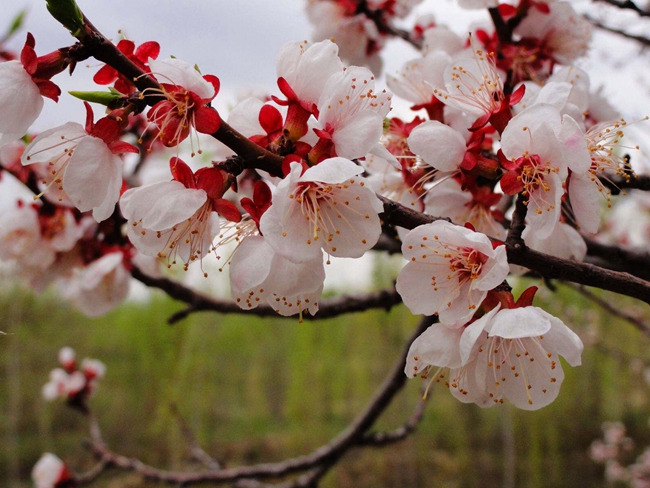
point(261, 390)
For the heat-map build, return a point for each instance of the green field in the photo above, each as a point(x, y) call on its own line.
point(262, 390)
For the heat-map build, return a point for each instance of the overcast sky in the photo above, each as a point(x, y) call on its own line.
point(239, 40)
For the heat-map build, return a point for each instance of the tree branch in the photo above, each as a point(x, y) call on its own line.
point(518, 223)
point(617, 312)
point(321, 460)
point(626, 5)
point(98, 46)
point(640, 39)
point(619, 258)
point(543, 264)
point(384, 299)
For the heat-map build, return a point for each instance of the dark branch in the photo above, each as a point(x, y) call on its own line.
point(619, 258)
point(637, 182)
point(383, 299)
point(626, 5)
point(384, 27)
point(320, 460)
point(518, 223)
point(645, 41)
point(504, 32)
point(617, 312)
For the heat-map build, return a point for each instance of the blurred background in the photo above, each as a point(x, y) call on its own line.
point(257, 390)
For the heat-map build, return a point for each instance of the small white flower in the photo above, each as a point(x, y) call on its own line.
point(450, 271)
point(328, 208)
point(48, 471)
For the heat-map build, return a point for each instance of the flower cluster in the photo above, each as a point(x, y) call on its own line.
point(501, 124)
point(73, 382)
point(51, 472)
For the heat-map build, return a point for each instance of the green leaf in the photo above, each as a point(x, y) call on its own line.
point(16, 23)
point(68, 13)
point(101, 97)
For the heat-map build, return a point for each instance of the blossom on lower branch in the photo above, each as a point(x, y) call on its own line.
point(51, 472)
point(260, 275)
point(450, 271)
point(72, 382)
point(510, 352)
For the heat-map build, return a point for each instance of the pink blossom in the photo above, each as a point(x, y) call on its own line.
point(303, 70)
point(357, 36)
point(435, 355)
point(178, 219)
point(541, 145)
point(23, 84)
point(564, 34)
point(99, 287)
point(260, 275)
point(351, 115)
point(185, 106)
point(82, 163)
point(329, 208)
point(49, 471)
point(518, 355)
point(450, 270)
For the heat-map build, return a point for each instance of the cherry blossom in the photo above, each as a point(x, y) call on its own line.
point(23, 84)
point(303, 70)
point(564, 34)
point(586, 190)
point(357, 36)
point(518, 355)
point(140, 56)
point(72, 383)
point(474, 205)
point(82, 162)
point(450, 270)
point(99, 287)
point(541, 145)
point(260, 275)
point(329, 208)
point(435, 355)
point(187, 95)
point(474, 85)
point(178, 219)
point(50, 472)
point(351, 115)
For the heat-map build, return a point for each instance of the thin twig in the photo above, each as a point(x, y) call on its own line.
point(640, 39)
point(92, 474)
point(617, 312)
point(195, 449)
point(399, 434)
point(320, 460)
point(626, 5)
